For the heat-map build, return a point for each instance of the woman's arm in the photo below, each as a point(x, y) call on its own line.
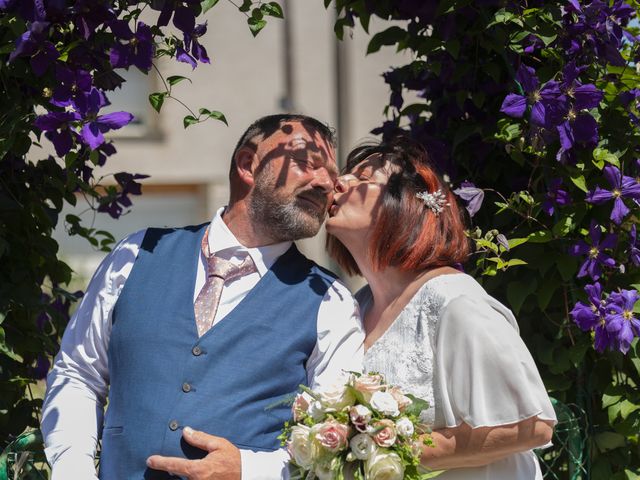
point(463, 446)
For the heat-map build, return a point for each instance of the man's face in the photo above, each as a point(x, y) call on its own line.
point(293, 182)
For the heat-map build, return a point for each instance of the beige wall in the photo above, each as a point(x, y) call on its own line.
point(245, 80)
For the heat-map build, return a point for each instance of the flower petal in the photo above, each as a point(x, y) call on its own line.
point(514, 105)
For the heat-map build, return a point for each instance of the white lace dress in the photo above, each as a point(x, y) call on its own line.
point(459, 348)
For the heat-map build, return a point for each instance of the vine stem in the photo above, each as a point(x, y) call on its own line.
point(168, 91)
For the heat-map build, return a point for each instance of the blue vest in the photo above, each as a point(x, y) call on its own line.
point(232, 382)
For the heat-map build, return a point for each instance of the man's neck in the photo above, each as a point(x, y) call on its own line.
point(236, 218)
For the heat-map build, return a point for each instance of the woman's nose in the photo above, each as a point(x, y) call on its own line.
point(341, 184)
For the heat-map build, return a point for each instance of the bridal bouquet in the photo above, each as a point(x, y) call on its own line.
point(362, 430)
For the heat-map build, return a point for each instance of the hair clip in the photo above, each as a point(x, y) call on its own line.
point(435, 201)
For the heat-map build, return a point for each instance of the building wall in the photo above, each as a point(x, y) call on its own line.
point(247, 78)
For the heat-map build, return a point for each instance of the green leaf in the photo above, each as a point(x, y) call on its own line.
point(207, 5)
point(609, 441)
point(517, 293)
point(257, 14)
point(417, 406)
point(214, 114)
point(567, 267)
point(543, 236)
point(580, 182)
point(246, 6)
point(545, 293)
point(514, 262)
point(189, 120)
point(564, 226)
point(626, 408)
point(156, 100)
point(390, 36)
point(256, 25)
point(514, 242)
point(172, 80)
point(272, 9)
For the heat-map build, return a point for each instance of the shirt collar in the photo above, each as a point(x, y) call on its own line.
point(221, 238)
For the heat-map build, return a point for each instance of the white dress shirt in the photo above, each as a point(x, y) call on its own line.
point(78, 384)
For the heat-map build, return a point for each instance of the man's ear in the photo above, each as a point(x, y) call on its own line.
point(246, 161)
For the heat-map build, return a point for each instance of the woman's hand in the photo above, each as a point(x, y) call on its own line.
point(463, 446)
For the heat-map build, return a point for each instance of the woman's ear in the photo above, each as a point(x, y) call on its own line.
point(246, 162)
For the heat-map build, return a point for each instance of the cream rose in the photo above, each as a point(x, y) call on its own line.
point(386, 434)
point(301, 449)
point(331, 435)
point(316, 410)
point(336, 398)
point(384, 465)
point(362, 446)
point(360, 416)
point(404, 427)
point(385, 404)
point(368, 384)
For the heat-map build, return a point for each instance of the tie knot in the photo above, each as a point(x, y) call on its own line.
point(225, 269)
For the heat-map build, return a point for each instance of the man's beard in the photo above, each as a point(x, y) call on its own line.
point(285, 217)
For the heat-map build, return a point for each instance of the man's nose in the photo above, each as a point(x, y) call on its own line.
point(322, 179)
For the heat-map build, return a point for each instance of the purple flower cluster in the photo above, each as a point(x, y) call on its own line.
point(595, 252)
point(560, 106)
point(612, 319)
point(594, 30)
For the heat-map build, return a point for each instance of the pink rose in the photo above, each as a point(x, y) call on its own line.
point(368, 384)
point(331, 435)
point(386, 436)
point(299, 408)
point(403, 401)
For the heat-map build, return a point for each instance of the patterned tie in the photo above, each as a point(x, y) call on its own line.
point(219, 271)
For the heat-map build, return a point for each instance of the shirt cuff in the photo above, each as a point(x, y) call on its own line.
point(264, 465)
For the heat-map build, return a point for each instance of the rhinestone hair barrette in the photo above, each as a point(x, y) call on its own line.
point(435, 201)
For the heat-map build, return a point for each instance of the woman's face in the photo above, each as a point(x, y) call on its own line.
point(358, 196)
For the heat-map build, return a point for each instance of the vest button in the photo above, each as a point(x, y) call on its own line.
point(173, 425)
point(186, 388)
point(197, 351)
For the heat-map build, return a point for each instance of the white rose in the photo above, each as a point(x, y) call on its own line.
point(362, 446)
point(316, 410)
point(385, 404)
point(404, 427)
point(302, 450)
point(384, 465)
point(336, 398)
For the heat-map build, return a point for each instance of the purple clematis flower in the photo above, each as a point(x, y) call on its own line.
point(634, 247)
point(137, 51)
point(596, 258)
point(622, 187)
point(578, 128)
point(73, 88)
point(191, 43)
point(471, 195)
point(555, 196)
point(621, 320)
point(582, 96)
point(58, 129)
point(589, 315)
point(33, 43)
point(91, 14)
point(113, 205)
point(547, 102)
point(96, 125)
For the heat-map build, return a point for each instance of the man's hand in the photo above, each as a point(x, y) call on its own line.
point(222, 462)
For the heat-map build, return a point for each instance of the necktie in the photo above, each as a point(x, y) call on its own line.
point(219, 271)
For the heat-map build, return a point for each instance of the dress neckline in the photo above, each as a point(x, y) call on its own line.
point(416, 295)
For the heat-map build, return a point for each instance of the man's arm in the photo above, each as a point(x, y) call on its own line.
point(78, 382)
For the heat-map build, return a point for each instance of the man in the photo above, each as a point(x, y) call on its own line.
point(184, 349)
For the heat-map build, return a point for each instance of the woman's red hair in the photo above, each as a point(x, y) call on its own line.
point(408, 234)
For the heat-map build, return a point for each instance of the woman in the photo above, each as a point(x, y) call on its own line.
point(430, 328)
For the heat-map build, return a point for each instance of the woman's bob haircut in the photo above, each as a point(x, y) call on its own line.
point(408, 235)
